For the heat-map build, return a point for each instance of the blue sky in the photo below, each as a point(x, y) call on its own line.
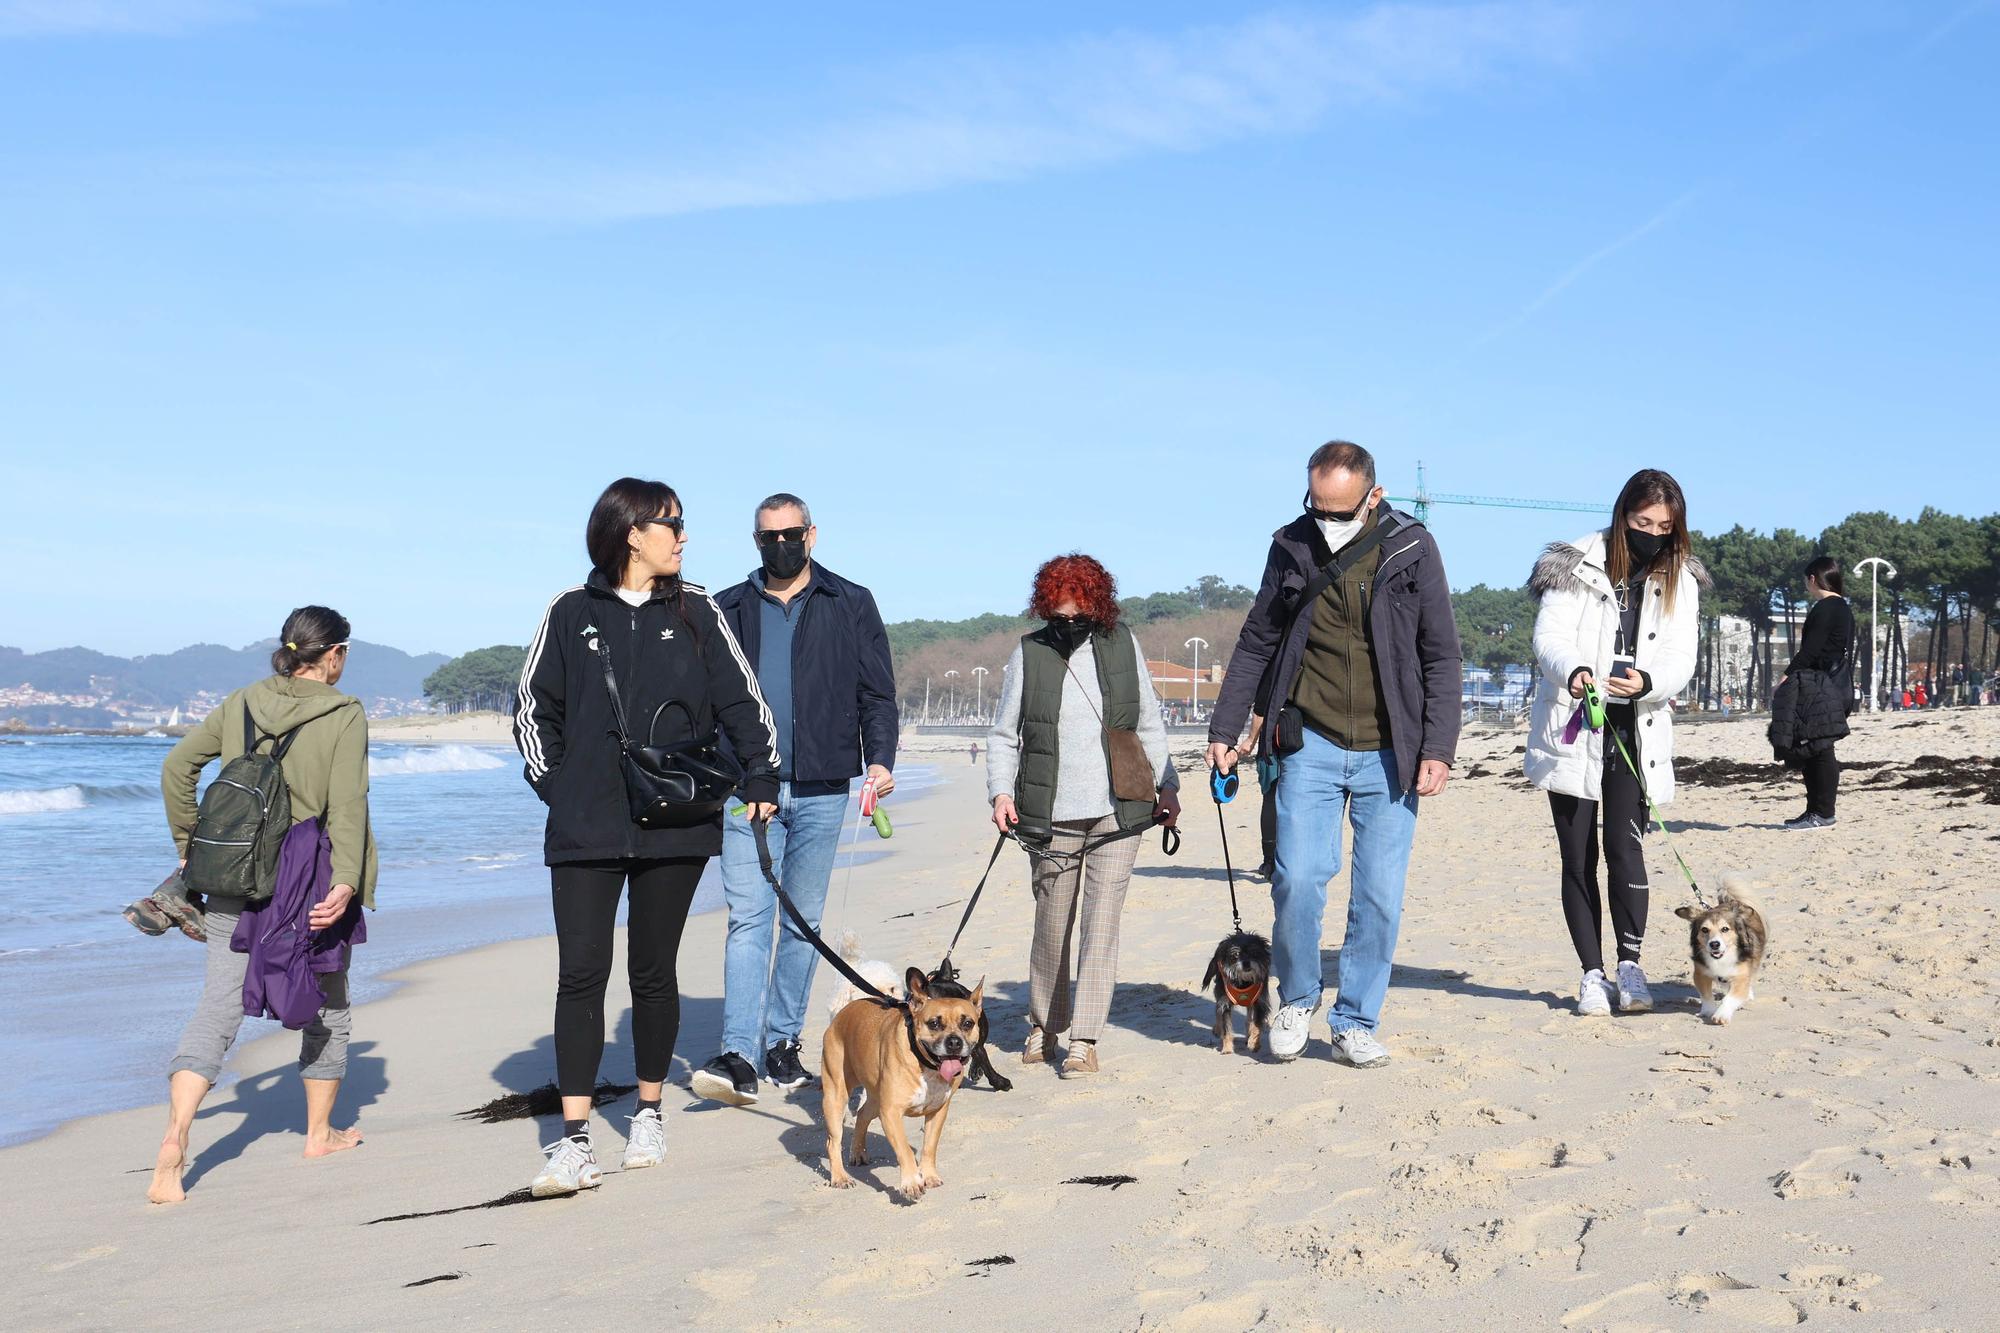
point(360, 302)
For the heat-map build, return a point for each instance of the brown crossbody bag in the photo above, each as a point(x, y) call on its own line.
point(1131, 771)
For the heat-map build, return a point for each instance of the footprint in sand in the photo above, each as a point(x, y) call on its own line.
point(1818, 1177)
point(82, 1257)
point(1739, 1303)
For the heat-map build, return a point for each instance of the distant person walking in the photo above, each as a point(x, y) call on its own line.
point(677, 666)
point(821, 656)
point(1813, 715)
point(319, 738)
point(1351, 656)
point(1077, 755)
point(1619, 608)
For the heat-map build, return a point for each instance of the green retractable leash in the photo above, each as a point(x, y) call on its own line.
point(1592, 711)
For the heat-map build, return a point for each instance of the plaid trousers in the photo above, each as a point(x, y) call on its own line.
point(1102, 877)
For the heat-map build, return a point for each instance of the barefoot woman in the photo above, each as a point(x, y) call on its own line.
point(326, 768)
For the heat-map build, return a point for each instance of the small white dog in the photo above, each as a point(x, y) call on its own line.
point(880, 975)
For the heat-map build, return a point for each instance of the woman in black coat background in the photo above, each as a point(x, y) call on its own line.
point(1827, 645)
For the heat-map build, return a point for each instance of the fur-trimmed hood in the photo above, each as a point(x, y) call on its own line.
point(1559, 562)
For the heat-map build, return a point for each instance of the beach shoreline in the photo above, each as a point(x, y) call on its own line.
point(1826, 1158)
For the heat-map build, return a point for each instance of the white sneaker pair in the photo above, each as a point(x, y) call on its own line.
point(572, 1162)
point(1593, 993)
point(1354, 1046)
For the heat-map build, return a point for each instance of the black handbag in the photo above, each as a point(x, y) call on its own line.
point(678, 785)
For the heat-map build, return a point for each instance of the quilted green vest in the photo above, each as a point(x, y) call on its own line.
point(1043, 670)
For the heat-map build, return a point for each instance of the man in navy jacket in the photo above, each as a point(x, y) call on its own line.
point(821, 658)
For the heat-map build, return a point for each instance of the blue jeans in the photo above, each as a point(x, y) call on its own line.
point(804, 837)
point(1316, 782)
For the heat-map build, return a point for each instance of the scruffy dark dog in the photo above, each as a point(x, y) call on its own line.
point(944, 982)
point(1727, 942)
point(1241, 973)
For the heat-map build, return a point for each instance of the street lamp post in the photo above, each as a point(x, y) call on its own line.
point(1874, 564)
point(951, 704)
point(1194, 698)
point(927, 700)
point(979, 679)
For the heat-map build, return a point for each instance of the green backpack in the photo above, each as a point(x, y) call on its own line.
point(244, 817)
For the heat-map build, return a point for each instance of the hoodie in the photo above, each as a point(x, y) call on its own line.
point(326, 767)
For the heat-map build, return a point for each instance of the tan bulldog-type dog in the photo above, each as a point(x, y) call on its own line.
point(870, 1046)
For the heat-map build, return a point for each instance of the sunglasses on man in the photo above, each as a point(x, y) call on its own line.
point(1336, 515)
point(773, 536)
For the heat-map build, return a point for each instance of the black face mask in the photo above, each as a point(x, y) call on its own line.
point(783, 560)
point(1644, 548)
point(1069, 632)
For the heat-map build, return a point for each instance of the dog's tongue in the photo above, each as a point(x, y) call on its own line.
point(949, 1069)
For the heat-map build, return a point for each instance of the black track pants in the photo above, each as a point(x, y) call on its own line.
point(586, 907)
point(1822, 783)
point(1624, 862)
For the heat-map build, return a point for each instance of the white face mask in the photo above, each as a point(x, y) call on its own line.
point(1340, 534)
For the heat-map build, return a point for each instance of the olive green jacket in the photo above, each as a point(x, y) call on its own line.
point(326, 767)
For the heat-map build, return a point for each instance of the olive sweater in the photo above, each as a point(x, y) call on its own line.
point(1337, 690)
point(326, 766)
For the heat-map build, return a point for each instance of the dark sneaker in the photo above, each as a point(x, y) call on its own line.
point(1807, 820)
point(727, 1078)
point(782, 1066)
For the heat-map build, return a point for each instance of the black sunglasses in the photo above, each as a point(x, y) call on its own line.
point(1336, 515)
point(674, 523)
point(772, 536)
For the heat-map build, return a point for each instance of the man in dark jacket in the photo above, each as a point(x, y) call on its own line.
point(821, 656)
point(1360, 696)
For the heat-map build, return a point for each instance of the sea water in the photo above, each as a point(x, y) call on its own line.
point(90, 1009)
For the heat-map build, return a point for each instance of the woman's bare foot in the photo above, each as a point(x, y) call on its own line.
point(336, 1140)
point(167, 1171)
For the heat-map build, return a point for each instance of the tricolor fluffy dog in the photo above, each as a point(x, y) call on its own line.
point(1241, 973)
point(909, 1059)
point(1727, 942)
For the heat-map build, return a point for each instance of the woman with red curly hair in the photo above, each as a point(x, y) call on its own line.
point(1078, 754)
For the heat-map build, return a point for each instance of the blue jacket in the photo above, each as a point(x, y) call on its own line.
point(843, 686)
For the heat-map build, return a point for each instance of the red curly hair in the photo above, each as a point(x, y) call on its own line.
point(1077, 578)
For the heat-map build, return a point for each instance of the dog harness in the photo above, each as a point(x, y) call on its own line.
point(1245, 997)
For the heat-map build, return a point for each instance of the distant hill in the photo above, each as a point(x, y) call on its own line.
point(376, 673)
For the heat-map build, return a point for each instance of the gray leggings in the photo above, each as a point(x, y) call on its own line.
point(219, 1013)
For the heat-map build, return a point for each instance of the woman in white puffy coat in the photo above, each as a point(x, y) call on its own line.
point(1619, 608)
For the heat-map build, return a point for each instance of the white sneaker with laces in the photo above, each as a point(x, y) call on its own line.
point(1593, 996)
point(572, 1166)
point(1633, 997)
point(1289, 1028)
point(646, 1144)
point(1358, 1047)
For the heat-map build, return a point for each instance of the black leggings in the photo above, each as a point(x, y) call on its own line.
point(586, 903)
point(1625, 863)
point(1822, 783)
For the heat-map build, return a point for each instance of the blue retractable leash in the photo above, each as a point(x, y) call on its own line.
point(1223, 787)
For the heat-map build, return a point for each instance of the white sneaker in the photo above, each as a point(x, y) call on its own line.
point(572, 1166)
point(1593, 996)
point(1633, 997)
point(1289, 1027)
point(646, 1144)
point(1358, 1047)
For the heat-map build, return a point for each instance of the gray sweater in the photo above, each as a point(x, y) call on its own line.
point(1083, 781)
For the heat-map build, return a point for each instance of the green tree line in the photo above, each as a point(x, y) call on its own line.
point(483, 678)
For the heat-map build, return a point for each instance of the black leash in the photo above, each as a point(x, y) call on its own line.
point(798, 919)
point(1222, 786)
point(945, 968)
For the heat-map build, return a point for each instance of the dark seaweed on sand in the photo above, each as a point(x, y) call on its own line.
point(504, 1201)
point(989, 1263)
point(1962, 778)
point(441, 1277)
point(544, 1100)
point(1113, 1181)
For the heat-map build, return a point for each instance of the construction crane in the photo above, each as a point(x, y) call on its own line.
point(1422, 501)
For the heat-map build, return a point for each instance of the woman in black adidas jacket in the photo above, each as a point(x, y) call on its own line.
point(667, 641)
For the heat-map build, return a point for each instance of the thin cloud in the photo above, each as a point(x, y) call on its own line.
point(127, 18)
point(1587, 263)
point(978, 117)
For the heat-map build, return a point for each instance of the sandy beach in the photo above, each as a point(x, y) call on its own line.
point(479, 728)
point(1831, 1158)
